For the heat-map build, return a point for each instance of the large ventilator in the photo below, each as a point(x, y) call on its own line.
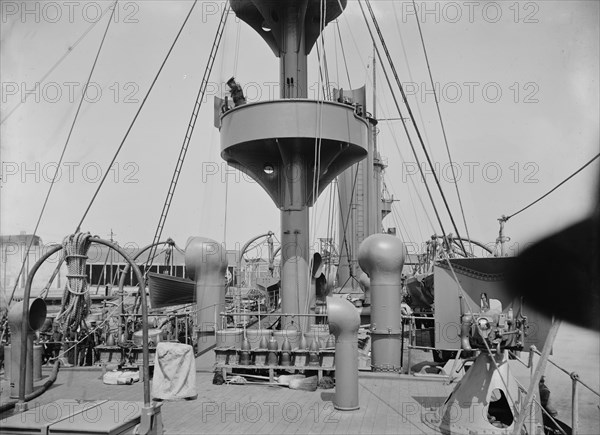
point(292, 147)
point(344, 322)
point(37, 317)
point(381, 256)
point(206, 264)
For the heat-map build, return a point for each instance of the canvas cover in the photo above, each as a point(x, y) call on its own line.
point(174, 372)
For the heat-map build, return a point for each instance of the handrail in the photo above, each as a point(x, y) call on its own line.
point(235, 313)
point(541, 407)
point(572, 375)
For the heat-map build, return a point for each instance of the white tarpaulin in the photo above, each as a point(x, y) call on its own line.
point(174, 372)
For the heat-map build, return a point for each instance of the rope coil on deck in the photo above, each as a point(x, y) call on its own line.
point(76, 301)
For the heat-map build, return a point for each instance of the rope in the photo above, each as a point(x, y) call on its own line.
point(62, 154)
point(555, 187)
point(437, 105)
point(76, 301)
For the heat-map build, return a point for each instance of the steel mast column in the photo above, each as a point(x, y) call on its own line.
point(275, 141)
point(292, 63)
point(295, 286)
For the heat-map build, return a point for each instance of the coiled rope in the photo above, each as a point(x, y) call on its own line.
point(76, 301)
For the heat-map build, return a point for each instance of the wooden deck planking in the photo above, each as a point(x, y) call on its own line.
point(233, 409)
point(368, 419)
point(357, 417)
point(312, 413)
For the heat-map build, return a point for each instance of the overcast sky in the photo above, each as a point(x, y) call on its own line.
point(518, 88)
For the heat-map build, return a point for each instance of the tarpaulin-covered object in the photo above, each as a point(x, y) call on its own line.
point(174, 372)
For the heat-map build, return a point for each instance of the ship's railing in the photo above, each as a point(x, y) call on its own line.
point(412, 337)
point(530, 364)
point(73, 353)
point(266, 314)
point(575, 381)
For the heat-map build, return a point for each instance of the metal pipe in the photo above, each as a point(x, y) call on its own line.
point(344, 322)
point(25, 321)
point(381, 256)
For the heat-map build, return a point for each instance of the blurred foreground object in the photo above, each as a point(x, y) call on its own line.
point(559, 274)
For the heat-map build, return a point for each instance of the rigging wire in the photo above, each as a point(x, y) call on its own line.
point(106, 173)
point(345, 223)
point(62, 154)
point(190, 129)
point(337, 25)
point(554, 188)
point(396, 142)
point(337, 62)
point(70, 49)
point(414, 151)
point(437, 105)
point(326, 67)
point(330, 215)
point(414, 123)
point(410, 77)
point(392, 131)
point(414, 186)
point(322, 79)
point(317, 145)
point(237, 47)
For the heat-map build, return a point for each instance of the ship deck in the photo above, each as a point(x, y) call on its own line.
point(388, 404)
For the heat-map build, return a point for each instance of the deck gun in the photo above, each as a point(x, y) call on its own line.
point(492, 328)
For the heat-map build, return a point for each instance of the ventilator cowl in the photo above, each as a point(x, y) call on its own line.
point(344, 322)
point(206, 264)
point(381, 256)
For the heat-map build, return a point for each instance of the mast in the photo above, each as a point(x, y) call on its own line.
point(274, 142)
